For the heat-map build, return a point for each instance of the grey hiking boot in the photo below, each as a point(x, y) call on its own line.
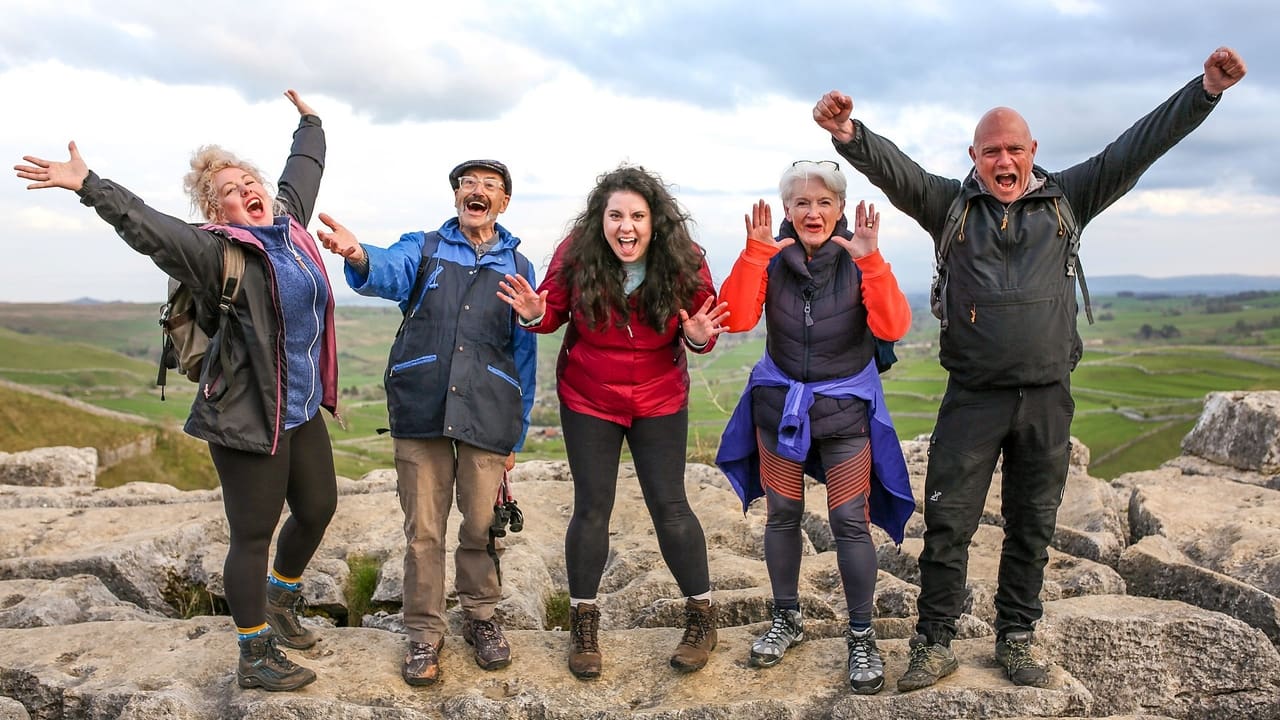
point(699, 639)
point(787, 630)
point(929, 663)
point(264, 665)
point(1013, 652)
point(866, 669)
point(584, 648)
point(283, 608)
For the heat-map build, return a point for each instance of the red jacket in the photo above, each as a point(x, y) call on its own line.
point(618, 373)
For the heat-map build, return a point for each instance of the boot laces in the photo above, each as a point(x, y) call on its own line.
point(919, 657)
point(695, 628)
point(1019, 656)
point(780, 629)
point(484, 629)
point(278, 656)
point(585, 627)
point(859, 652)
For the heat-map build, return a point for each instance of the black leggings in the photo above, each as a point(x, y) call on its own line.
point(658, 448)
point(847, 462)
point(255, 488)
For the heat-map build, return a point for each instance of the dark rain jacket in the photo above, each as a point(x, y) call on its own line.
point(1011, 292)
point(241, 406)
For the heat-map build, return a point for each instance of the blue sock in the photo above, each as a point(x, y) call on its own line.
point(271, 578)
point(859, 625)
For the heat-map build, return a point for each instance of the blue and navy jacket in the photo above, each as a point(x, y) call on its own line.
point(460, 366)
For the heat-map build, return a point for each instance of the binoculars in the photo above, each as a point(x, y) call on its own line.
point(506, 515)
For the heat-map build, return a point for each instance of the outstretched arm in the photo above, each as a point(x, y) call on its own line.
point(300, 180)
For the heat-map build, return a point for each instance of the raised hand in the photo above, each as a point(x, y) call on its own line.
point(866, 232)
point(705, 324)
point(760, 225)
point(833, 112)
point(51, 173)
point(303, 108)
point(1223, 68)
point(340, 241)
point(516, 291)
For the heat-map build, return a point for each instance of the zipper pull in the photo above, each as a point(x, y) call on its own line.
point(808, 319)
point(1004, 221)
point(973, 313)
point(629, 333)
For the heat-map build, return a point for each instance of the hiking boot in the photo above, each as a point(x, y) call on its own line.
point(1013, 652)
point(422, 663)
point(283, 608)
point(866, 669)
point(787, 630)
point(699, 636)
point(928, 664)
point(264, 665)
point(584, 648)
point(492, 650)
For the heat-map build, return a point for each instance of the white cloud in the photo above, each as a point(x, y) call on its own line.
point(717, 102)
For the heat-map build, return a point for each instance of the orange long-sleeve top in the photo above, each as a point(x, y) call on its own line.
point(888, 313)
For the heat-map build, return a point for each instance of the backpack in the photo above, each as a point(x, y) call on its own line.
point(185, 341)
point(954, 227)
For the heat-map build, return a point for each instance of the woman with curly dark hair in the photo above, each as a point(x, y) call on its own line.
point(635, 291)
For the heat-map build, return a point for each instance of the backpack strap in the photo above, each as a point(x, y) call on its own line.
point(1067, 226)
point(952, 228)
point(232, 272)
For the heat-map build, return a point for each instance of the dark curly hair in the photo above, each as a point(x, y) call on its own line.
point(594, 273)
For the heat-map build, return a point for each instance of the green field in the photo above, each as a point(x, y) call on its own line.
point(1148, 364)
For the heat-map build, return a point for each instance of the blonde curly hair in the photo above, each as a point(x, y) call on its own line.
point(206, 161)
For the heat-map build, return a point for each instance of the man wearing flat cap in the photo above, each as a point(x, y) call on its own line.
point(460, 382)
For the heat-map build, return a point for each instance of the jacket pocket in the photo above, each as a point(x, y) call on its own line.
point(514, 383)
point(407, 364)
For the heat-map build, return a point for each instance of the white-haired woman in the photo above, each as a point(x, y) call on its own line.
point(814, 401)
point(271, 365)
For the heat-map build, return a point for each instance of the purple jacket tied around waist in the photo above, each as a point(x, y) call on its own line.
point(738, 458)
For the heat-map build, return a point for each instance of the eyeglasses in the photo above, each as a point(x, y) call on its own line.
point(831, 163)
point(467, 183)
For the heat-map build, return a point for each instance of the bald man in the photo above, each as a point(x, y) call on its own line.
point(1008, 342)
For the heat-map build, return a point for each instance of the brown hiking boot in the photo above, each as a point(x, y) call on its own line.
point(699, 636)
point(492, 650)
point(283, 607)
point(422, 663)
point(584, 649)
point(264, 665)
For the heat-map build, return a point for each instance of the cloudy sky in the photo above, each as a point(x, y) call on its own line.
point(715, 96)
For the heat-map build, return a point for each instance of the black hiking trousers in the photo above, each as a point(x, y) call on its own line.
point(1031, 426)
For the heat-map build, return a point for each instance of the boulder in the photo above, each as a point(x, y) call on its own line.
point(1135, 654)
point(50, 466)
point(1240, 429)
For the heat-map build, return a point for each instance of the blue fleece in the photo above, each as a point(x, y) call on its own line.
point(303, 295)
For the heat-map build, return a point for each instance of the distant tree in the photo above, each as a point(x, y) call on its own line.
point(1106, 317)
point(1169, 331)
point(1146, 331)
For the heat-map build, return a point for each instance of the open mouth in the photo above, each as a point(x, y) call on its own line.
point(477, 204)
point(627, 246)
point(254, 205)
point(1006, 181)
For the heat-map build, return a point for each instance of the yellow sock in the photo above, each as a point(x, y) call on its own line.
point(283, 579)
point(246, 633)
